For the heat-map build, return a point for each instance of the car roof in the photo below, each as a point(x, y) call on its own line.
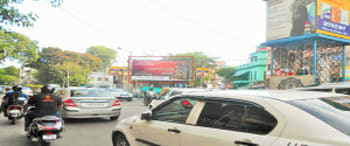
point(284, 95)
point(190, 89)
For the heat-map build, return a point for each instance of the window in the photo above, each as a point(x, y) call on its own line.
point(99, 78)
point(177, 111)
point(236, 116)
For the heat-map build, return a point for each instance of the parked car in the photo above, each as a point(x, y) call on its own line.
point(241, 118)
point(170, 92)
point(27, 91)
point(120, 94)
point(88, 103)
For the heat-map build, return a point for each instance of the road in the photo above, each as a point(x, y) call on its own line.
point(78, 132)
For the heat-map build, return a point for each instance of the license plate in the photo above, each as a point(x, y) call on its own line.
point(94, 105)
point(14, 111)
point(50, 137)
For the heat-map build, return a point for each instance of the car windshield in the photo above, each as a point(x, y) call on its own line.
point(89, 93)
point(335, 111)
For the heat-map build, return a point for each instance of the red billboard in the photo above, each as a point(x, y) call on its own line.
point(164, 69)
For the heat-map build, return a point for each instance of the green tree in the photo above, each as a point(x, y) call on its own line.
point(107, 55)
point(9, 75)
point(227, 73)
point(54, 64)
point(15, 45)
point(11, 15)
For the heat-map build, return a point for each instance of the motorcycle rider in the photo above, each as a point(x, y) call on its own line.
point(11, 98)
point(45, 104)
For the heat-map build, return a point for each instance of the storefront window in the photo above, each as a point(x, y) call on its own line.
point(292, 61)
point(329, 64)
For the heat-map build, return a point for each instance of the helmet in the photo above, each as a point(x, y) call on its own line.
point(17, 88)
point(47, 89)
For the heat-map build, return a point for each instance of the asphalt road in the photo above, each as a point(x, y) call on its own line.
point(78, 132)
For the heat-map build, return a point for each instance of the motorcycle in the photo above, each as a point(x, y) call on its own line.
point(45, 129)
point(16, 111)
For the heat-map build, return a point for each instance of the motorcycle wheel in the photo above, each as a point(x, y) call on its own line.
point(45, 143)
point(13, 121)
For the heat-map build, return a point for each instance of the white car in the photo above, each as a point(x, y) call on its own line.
point(120, 94)
point(241, 118)
point(27, 91)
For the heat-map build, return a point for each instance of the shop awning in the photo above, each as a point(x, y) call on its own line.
point(240, 74)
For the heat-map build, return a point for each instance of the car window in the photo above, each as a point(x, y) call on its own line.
point(176, 111)
point(89, 93)
point(335, 111)
point(165, 95)
point(175, 93)
point(236, 116)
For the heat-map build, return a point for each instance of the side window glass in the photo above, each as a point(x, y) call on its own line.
point(258, 121)
point(236, 116)
point(175, 93)
point(177, 111)
point(225, 115)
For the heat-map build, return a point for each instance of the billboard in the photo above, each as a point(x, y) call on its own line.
point(161, 69)
point(287, 18)
point(333, 18)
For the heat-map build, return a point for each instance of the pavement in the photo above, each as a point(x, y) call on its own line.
point(78, 132)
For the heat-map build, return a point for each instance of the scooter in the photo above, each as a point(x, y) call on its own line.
point(45, 129)
point(16, 111)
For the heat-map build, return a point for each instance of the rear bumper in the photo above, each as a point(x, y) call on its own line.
point(90, 113)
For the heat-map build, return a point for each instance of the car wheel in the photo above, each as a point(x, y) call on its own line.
point(120, 140)
point(114, 118)
point(129, 99)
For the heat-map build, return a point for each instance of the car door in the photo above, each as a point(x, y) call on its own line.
point(167, 124)
point(231, 123)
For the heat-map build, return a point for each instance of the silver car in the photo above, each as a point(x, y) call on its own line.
point(120, 94)
point(88, 103)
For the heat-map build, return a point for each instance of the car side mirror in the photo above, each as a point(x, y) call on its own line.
point(146, 116)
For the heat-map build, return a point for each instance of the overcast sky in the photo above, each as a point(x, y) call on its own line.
point(230, 29)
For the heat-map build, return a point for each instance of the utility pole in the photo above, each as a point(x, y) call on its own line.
point(67, 77)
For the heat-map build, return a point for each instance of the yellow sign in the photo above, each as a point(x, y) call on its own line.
point(333, 18)
point(202, 69)
point(116, 70)
point(347, 72)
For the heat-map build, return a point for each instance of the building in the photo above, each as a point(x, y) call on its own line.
point(252, 74)
point(100, 79)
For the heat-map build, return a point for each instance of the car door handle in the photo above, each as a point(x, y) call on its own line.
point(174, 130)
point(245, 143)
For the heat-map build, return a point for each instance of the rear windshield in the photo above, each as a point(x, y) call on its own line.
point(89, 93)
point(335, 111)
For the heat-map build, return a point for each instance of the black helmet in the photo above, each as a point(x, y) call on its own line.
point(17, 88)
point(47, 89)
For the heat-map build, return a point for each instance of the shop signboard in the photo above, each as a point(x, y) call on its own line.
point(116, 70)
point(202, 72)
point(333, 18)
point(166, 69)
point(287, 18)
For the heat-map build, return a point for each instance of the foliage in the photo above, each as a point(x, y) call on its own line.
point(54, 64)
point(227, 73)
point(32, 86)
point(200, 59)
point(15, 45)
point(11, 15)
point(9, 75)
point(107, 55)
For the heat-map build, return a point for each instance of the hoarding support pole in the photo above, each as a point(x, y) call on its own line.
point(271, 65)
point(344, 63)
point(315, 61)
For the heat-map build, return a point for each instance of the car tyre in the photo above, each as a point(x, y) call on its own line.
point(129, 99)
point(120, 140)
point(114, 118)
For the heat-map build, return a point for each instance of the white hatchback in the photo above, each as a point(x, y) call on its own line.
point(241, 118)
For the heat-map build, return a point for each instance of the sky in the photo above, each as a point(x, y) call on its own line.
point(229, 29)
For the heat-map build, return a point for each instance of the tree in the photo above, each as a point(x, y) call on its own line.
point(107, 55)
point(54, 64)
point(11, 15)
point(9, 75)
point(17, 46)
point(227, 73)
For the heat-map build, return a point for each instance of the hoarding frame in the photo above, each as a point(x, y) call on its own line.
point(161, 82)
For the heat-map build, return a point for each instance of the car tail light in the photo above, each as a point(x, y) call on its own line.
point(69, 102)
point(116, 103)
